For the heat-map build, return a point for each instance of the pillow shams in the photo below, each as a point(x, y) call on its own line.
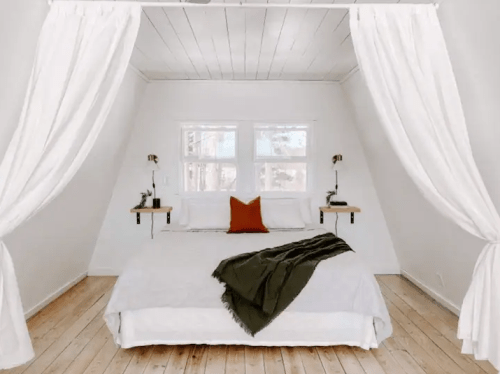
point(305, 210)
point(278, 213)
point(282, 214)
point(184, 212)
point(208, 215)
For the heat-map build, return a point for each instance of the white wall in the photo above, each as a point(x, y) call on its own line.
point(426, 243)
point(157, 131)
point(20, 24)
point(55, 246)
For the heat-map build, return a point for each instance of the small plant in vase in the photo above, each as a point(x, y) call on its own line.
point(144, 197)
point(329, 196)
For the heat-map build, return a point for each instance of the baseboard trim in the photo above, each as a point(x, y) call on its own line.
point(435, 295)
point(30, 313)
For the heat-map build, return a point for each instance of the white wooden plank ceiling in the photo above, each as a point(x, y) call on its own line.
point(247, 44)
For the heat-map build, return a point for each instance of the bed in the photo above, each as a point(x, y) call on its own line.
point(166, 295)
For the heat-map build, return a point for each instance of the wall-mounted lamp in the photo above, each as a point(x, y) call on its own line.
point(153, 165)
point(336, 158)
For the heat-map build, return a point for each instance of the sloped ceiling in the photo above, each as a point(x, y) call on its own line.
point(247, 44)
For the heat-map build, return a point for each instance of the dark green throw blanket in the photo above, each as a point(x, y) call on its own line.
point(260, 285)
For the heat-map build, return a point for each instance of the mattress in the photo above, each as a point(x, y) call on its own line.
point(166, 295)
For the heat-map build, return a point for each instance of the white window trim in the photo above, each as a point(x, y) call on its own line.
point(245, 182)
point(307, 159)
point(231, 126)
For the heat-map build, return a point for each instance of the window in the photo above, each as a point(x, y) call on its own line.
point(209, 158)
point(246, 157)
point(280, 153)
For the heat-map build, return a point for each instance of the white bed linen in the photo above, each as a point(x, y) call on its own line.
point(171, 279)
point(215, 326)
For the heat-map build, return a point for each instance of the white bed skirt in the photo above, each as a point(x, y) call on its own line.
point(172, 326)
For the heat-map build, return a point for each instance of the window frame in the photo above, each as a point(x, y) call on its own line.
point(246, 159)
point(301, 125)
point(207, 126)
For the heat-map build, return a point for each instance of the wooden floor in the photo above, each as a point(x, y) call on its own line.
point(69, 336)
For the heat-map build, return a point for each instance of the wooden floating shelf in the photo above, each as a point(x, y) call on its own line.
point(163, 209)
point(338, 209)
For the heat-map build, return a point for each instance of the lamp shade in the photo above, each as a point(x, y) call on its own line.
point(153, 162)
point(336, 158)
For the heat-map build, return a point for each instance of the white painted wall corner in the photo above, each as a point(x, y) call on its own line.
point(435, 295)
point(139, 73)
point(102, 272)
point(30, 313)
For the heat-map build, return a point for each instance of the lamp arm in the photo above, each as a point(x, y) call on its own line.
point(336, 183)
point(154, 186)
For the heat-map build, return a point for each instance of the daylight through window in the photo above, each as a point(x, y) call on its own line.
point(274, 157)
point(209, 158)
point(281, 157)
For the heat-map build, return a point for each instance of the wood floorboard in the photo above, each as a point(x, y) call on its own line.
point(310, 360)
point(58, 345)
point(330, 361)
point(348, 360)
point(70, 337)
point(254, 360)
point(87, 355)
point(368, 362)
point(62, 362)
point(178, 359)
point(160, 358)
point(292, 360)
point(139, 360)
point(235, 360)
point(216, 359)
point(120, 362)
point(273, 361)
point(387, 361)
point(197, 363)
point(401, 310)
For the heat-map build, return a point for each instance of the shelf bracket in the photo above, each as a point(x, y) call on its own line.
point(321, 217)
point(138, 216)
point(168, 218)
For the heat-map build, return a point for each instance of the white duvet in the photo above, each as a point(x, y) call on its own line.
point(174, 271)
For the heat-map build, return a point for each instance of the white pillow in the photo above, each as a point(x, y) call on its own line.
point(304, 203)
point(282, 214)
point(209, 214)
point(184, 213)
point(186, 201)
point(305, 210)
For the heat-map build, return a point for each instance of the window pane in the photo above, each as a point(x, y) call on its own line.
point(210, 144)
point(275, 176)
point(209, 176)
point(280, 143)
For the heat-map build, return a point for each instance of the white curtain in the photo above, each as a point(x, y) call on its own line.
point(404, 60)
point(82, 54)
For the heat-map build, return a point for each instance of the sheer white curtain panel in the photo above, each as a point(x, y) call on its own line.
point(82, 54)
point(403, 57)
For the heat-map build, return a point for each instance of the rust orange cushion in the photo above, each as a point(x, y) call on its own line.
point(246, 217)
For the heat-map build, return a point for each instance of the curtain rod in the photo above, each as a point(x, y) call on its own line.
point(146, 4)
